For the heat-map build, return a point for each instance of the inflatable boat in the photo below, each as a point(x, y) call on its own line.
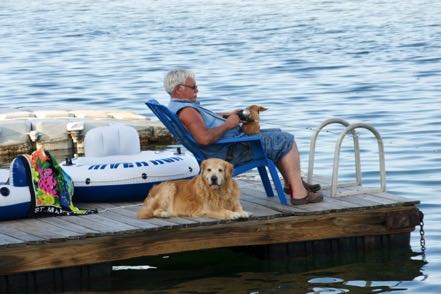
point(115, 169)
point(126, 177)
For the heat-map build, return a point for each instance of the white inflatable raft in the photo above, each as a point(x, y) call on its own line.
point(126, 177)
point(114, 168)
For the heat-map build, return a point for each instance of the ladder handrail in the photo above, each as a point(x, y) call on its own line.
point(314, 141)
point(348, 129)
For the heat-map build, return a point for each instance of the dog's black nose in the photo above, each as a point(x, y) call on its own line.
point(213, 179)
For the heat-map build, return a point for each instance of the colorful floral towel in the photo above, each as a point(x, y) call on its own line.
point(52, 186)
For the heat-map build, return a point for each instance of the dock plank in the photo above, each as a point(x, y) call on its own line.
point(166, 222)
point(127, 210)
point(327, 205)
point(71, 226)
point(100, 206)
point(202, 220)
point(128, 220)
point(183, 221)
point(342, 204)
point(259, 211)
point(396, 199)
point(115, 225)
point(98, 224)
point(379, 200)
point(12, 231)
point(44, 230)
point(131, 212)
point(359, 200)
point(6, 240)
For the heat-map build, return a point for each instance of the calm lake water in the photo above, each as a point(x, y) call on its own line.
point(377, 62)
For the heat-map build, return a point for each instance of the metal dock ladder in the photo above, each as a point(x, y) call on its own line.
point(349, 128)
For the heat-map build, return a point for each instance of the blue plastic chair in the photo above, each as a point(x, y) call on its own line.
point(259, 161)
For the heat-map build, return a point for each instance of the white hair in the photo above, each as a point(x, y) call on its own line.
point(176, 77)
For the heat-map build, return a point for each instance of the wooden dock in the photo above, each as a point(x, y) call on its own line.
point(36, 245)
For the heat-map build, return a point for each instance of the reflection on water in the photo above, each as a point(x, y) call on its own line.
point(229, 271)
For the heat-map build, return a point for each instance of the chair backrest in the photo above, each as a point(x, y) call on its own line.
point(116, 139)
point(174, 125)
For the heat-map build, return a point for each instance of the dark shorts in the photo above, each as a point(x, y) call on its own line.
point(275, 143)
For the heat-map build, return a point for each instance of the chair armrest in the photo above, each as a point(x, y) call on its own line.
point(271, 129)
point(238, 139)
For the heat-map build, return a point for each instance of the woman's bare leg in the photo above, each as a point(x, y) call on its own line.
point(289, 166)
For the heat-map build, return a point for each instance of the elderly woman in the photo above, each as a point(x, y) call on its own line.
point(207, 127)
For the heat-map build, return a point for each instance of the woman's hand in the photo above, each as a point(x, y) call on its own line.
point(227, 114)
point(234, 112)
point(232, 120)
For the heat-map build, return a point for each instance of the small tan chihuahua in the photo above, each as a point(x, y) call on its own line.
point(251, 125)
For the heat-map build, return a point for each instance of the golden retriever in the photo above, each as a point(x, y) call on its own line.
point(213, 193)
point(252, 126)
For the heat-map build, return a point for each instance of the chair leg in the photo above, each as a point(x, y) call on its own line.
point(276, 181)
point(265, 181)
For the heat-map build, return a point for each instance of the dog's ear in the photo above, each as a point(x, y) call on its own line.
point(203, 165)
point(228, 170)
point(261, 108)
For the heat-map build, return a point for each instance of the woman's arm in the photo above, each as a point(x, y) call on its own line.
point(194, 123)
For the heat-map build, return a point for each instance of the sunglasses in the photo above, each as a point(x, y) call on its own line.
point(191, 87)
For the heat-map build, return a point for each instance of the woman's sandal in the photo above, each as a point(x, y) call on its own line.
point(309, 187)
point(311, 197)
